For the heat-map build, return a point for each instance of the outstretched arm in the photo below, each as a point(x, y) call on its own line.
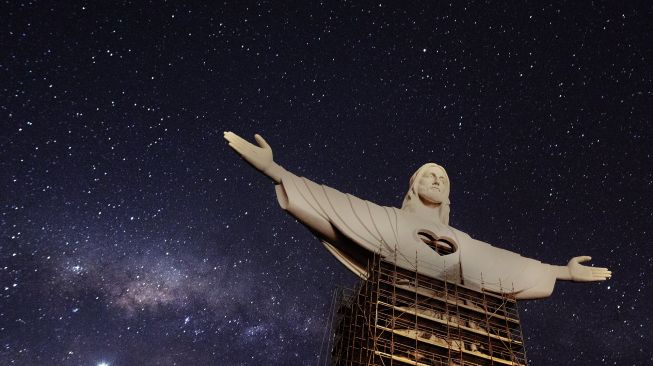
point(575, 271)
point(260, 157)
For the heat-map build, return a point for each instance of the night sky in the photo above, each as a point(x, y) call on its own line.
point(131, 234)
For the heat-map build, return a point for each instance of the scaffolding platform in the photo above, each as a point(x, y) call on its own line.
point(400, 317)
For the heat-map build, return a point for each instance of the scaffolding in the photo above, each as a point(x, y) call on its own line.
point(400, 317)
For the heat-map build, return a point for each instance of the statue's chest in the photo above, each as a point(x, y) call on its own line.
point(418, 232)
point(430, 247)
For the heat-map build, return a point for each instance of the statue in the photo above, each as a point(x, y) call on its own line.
point(416, 237)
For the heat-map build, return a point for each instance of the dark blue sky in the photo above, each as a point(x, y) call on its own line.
point(130, 234)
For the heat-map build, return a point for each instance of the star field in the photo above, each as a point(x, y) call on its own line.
point(131, 234)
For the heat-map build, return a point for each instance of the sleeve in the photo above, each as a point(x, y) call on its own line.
point(325, 210)
point(503, 271)
point(542, 281)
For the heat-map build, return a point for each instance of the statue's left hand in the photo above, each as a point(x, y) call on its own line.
point(583, 273)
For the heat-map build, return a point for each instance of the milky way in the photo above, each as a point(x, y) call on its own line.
point(131, 234)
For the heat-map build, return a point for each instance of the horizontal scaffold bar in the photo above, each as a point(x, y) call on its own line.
point(446, 323)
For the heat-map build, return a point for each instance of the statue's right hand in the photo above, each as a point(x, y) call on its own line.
point(260, 157)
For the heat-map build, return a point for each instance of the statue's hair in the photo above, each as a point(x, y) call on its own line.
point(412, 197)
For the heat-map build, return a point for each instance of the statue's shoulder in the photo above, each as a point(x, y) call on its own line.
point(460, 233)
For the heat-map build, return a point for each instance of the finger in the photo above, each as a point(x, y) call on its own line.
point(239, 140)
point(601, 271)
point(583, 258)
point(603, 275)
point(229, 135)
point(245, 150)
point(261, 141)
point(233, 138)
point(244, 145)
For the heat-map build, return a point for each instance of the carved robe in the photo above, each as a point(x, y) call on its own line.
point(353, 229)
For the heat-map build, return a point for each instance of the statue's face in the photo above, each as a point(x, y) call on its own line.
point(433, 186)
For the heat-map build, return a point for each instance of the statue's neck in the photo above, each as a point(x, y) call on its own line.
point(432, 211)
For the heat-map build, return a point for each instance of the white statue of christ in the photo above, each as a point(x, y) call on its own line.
point(416, 237)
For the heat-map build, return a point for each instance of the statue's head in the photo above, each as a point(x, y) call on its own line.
point(429, 187)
